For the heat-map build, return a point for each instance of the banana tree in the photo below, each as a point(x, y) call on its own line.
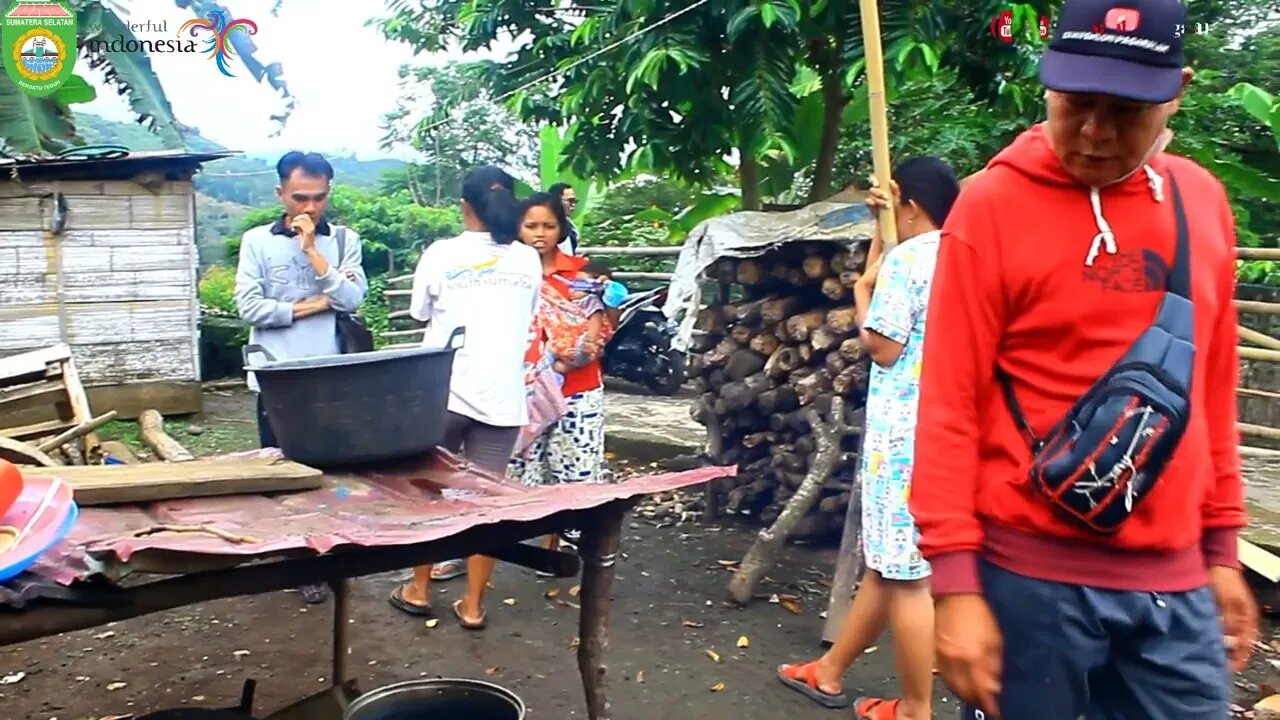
point(42, 126)
point(1261, 104)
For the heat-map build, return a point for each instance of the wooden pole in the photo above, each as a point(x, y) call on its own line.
point(1261, 308)
point(1257, 338)
point(874, 57)
point(1246, 253)
point(1248, 353)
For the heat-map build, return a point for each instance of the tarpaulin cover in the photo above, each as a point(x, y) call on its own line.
point(433, 500)
point(749, 234)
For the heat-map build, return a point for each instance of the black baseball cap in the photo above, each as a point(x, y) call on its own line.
point(1126, 48)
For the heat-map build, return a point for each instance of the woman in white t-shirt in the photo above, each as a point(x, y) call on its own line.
point(485, 282)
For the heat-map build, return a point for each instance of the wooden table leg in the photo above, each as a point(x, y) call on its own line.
point(341, 629)
point(599, 551)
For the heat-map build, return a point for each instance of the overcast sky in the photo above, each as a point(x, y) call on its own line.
point(316, 41)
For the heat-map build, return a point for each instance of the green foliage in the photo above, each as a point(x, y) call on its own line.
point(393, 228)
point(446, 114)
point(783, 68)
point(217, 293)
point(944, 118)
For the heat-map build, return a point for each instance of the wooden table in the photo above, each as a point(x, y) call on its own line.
point(191, 579)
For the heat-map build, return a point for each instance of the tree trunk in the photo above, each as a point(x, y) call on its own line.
point(749, 179)
point(834, 100)
point(764, 551)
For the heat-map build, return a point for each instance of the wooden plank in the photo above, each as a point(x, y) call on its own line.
point(32, 363)
point(35, 430)
point(22, 213)
point(89, 259)
point(98, 213)
point(41, 392)
point(129, 322)
point(107, 363)
point(1259, 560)
point(133, 238)
point(148, 482)
point(172, 399)
point(40, 288)
point(119, 451)
point(115, 363)
point(26, 327)
point(128, 187)
point(80, 409)
point(160, 211)
point(34, 259)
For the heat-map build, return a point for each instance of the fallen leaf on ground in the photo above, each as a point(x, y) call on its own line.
point(12, 678)
point(640, 677)
point(552, 594)
point(574, 645)
point(492, 670)
point(728, 563)
point(871, 649)
point(575, 591)
point(240, 653)
point(432, 623)
point(715, 656)
point(509, 601)
point(791, 606)
point(116, 686)
point(717, 687)
point(105, 635)
point(693, 624)
point(744, 642)
point(774, 599)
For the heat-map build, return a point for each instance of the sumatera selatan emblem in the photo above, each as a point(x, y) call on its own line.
point(39, 44)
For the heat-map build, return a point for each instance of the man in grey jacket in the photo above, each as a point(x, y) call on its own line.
point(293, 275)
point(291, 278)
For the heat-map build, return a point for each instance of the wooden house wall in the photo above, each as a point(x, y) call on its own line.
point(118, 285)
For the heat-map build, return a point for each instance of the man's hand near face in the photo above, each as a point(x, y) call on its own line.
point(306, 229)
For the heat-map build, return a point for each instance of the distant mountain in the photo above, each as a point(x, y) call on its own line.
point(226, 190)
point(244, 180)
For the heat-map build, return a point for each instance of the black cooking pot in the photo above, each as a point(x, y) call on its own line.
point(438, 699)
point(335, 410)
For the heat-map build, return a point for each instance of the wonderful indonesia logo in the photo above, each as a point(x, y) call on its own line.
point(38, 39)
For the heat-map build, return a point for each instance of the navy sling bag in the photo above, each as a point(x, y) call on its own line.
point(1100, 461)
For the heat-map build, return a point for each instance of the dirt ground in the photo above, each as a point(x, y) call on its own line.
point(668, 621)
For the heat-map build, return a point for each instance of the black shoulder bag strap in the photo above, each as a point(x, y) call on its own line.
point(1177, 282)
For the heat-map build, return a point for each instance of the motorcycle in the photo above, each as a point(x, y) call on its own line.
point(640, 350)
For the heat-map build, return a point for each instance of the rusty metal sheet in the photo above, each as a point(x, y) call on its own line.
point(432, 500)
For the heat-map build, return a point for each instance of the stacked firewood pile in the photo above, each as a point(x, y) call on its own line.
point(769, 359)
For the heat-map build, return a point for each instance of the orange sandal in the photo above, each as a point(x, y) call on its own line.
point(866, 708)
point(803, 678)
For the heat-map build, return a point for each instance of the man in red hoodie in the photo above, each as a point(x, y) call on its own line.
point(1051, 265)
